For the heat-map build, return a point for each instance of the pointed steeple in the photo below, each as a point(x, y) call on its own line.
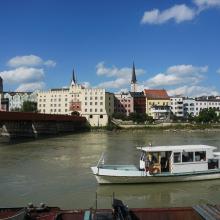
point(73, 78)
point(133, 77)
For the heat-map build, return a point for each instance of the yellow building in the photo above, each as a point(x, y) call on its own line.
point(157, 103)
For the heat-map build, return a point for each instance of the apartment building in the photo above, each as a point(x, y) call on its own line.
point(176, 106)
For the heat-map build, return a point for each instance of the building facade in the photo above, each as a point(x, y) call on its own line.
point(157, 104)
point(206, 102)
point(16, 99)
point(176, 106)
point(123, 103)
point(188, 107)
point(95, 104)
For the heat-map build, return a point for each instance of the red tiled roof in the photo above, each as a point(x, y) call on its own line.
point(156, 93)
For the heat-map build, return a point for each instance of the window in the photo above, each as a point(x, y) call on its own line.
point(90, 110)
point(200, 156)
point(187, 156)
point(177, 157)
point(85, 109)
point(85, 103)
point(90, 116)
point(101, 116)
point(95, 109)
point(90, 103)
point(101, 110)
point(101, 103)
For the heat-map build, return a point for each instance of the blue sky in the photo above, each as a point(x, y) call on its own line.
point(174, 44)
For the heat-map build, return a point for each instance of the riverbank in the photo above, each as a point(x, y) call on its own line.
point(162, 126)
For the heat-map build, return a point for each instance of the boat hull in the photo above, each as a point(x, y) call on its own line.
point(112, 179)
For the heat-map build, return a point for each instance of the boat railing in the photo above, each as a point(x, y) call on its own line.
point(101, 160)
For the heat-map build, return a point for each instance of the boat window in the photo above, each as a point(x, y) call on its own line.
point(187, 156)
point(200, 156)
point(177, 157)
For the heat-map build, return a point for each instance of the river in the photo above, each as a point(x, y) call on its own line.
point(56, 171)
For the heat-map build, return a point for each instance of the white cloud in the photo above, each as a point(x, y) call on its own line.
point(50, 63)
point(178, 74)
point(30, 87)
point(186, 69)
point(86, 84)
point(193, 91)
point(178, 13)
point(30, 61)
point(205, 4)
point(102, 70)
point(218, 71)
point(122, 75)
point(22, 75)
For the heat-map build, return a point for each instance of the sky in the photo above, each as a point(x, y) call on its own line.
point(175, 45)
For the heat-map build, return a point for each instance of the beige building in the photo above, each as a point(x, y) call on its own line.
point(95, 104)
point(157, 103)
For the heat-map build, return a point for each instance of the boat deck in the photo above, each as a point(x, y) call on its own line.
point(120, 167)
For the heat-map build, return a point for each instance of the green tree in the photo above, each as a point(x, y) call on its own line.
point(29, 106)
point(140, 117)
point(207, 115)
point(119, 115)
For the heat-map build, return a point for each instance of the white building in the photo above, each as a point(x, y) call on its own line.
point(95, 104)
point(205, 102)
point(16, 99)
point(188, 106)
point(176, 103)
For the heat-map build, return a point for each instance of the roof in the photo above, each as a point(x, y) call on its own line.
point(156, 93)
point(177, 148)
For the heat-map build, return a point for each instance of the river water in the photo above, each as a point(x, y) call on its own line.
point(56, 171)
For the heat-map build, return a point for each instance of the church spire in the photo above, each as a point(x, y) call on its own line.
point(73, 78)
point(133, 80)
point(133, 77)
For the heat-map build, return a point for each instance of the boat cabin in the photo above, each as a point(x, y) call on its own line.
point(179, 159)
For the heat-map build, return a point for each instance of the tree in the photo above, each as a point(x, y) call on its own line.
point(207, 115)
point(119, 115)
point(29, 106)
point(140, 117)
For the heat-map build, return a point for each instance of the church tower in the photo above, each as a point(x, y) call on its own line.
point(133, 80)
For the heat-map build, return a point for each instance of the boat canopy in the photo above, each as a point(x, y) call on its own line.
point(177, 148)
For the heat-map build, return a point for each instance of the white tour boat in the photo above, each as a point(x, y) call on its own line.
point(164, 164)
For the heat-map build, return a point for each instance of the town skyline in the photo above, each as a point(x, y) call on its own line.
point(173, 45)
